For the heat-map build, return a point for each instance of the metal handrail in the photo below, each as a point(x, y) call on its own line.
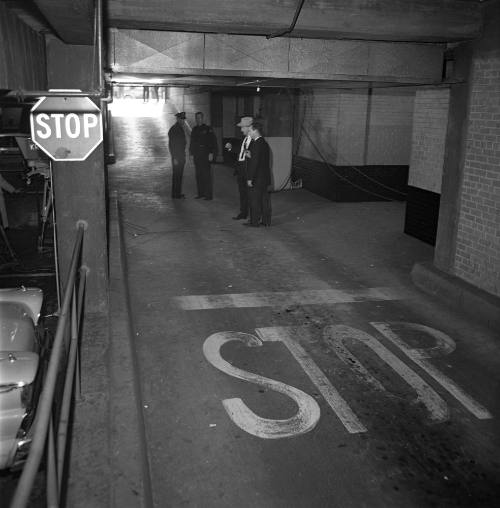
point(48, 433)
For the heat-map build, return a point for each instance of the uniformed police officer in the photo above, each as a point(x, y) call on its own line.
point(203, 148)
point(177, 148)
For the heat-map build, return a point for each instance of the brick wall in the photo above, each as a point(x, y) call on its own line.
point(336, 121)
point(477, 256)
point(430, 120)
point(352, 128)
point(318, 114)
point(389, 136)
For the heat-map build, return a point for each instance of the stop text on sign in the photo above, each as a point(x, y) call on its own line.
point(66, 128)
point(60, 124)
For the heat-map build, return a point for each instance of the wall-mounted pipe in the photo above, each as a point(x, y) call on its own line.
point(292, 26)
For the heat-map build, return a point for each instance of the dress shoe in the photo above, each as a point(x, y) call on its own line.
point(198, 197)
point(239, 217)
point(207, 199)
point(250, 225)
point(180, 196)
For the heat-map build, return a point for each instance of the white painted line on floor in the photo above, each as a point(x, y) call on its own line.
point(303, 421)
point(445, 345)
point(288, 298)
point(331, 395)
point(436, 406)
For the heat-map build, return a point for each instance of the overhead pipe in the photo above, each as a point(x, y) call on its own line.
point(292, 26)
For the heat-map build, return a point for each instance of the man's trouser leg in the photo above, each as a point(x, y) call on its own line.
point(243, 191)
point(177, 172)
point(266, 208)
point(198, 169)
point(255, 194)
point(209, 181)
point(205, 177)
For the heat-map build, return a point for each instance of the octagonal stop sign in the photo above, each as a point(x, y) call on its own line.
point(66, 128)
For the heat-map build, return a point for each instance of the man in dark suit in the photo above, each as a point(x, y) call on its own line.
point(259, 178)
point(203, 148)
point(241, 166)
point(177, 148)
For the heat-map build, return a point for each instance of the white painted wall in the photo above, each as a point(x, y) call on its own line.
point(430, 121)
point(348, 128)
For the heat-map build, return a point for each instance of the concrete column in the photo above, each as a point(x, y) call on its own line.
point(453, 165)
point(80, 194)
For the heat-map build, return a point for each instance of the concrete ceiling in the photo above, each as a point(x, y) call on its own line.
point(391, 20)
point(376, 20)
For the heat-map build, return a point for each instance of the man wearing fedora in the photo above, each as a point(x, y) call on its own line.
point(177, 148)
point(241, 166)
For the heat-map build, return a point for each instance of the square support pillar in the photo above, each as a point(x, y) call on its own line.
point(80, 194)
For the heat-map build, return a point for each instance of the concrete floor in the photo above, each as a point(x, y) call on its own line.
point(388, 433)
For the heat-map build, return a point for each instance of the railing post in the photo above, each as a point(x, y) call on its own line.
point(51, 479)
point(42, 427)
point(84, 270)
point(62, 431)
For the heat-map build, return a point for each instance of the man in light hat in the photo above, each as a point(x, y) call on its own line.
point(241, 165)
point(177, 148)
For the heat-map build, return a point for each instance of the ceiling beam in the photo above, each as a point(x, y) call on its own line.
point(385, 20)
point(154, 52)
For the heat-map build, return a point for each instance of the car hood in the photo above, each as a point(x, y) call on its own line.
point(17, 332)
point(17, 369)
point(30, 298)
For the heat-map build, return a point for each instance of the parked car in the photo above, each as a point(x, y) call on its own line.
point(8, 144)
point(23, 356)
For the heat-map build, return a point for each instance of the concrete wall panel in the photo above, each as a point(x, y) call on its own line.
point(245, 52)
point(417, 61)
point(320, 57)
point(156, 52)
